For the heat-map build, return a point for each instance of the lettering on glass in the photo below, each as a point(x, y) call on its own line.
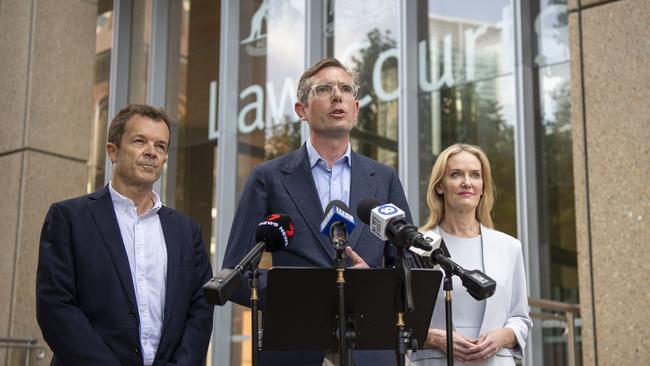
point(436, 68)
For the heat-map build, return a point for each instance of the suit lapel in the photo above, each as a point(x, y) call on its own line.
point(299, 183)
point(103, 213)
point(491, 262)
point(362, 185)
point(173, 245)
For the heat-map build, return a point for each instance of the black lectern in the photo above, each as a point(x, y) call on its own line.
point(301, 307)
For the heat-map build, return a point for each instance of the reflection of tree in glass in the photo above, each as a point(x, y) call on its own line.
point(377, 122)
point(472, 115)
point(281, 139)
point(561, 21)
point(552, 23)
point(557, 203)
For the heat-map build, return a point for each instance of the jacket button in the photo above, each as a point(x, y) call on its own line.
point(136, 351)
point(131, 313)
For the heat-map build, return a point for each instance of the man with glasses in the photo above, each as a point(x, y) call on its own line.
point(302, 183)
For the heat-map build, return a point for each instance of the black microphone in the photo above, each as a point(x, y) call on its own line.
point(477, 283)
point(272, 234)
point(388, 222)
point(338, 223)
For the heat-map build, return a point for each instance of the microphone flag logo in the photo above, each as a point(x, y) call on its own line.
point(387, 209)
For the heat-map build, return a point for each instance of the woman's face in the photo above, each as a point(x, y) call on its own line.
point(462, 184)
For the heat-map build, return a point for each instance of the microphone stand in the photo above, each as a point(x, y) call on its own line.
point(448, 287)
point(344, 350)
point(253, 283)
point(403, 304)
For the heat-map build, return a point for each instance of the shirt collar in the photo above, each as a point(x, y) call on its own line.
point(123, 203)
point(314, 157)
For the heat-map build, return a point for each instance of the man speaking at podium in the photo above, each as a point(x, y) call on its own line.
point(302, 183)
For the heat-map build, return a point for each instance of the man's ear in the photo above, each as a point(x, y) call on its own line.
point(111, 151)
point(299, 108)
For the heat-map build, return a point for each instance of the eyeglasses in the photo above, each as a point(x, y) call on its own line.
point(326, 90)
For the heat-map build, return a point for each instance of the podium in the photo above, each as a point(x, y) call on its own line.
point(301, 307)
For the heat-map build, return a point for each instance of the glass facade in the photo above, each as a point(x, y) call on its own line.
point(466, 91)
point(193, 47)
point(140, 46)
point(103, 47)
point(271, 49)
point(557, 248)
point(230, 76)
point(364, 36)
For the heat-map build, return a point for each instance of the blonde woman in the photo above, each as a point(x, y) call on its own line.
point(489, 332)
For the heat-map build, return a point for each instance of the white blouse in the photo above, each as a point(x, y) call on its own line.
point(467, 312)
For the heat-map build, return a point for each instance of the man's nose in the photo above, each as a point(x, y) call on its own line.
point(336, 93)
point(150, 151)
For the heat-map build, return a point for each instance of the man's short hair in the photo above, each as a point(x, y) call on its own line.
point(116, 130)
point(304, 85)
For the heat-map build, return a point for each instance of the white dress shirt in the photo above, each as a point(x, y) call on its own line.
point(145, 247)
point(331, 183)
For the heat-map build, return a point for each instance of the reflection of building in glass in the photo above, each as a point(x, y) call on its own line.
point(457, 51)
point(103, 45)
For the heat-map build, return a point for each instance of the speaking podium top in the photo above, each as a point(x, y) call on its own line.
point(301, 307)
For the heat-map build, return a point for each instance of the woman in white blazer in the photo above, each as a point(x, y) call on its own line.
point(489, 332)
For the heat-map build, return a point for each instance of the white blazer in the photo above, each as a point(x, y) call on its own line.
point(508, 307)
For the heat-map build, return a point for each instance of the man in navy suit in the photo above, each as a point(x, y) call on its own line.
point(302, 183)
point(120, 275)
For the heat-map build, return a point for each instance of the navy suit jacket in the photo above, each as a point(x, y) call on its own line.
point(85, 300)
point(285, 185)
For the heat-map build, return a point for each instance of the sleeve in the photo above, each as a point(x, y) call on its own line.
point(65, 328)
point(193, 346)
point(518, 318)
point(252, 208)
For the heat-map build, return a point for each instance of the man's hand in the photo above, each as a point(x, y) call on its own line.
point(357, 261)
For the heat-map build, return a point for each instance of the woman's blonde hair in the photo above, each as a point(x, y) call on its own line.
point(436, 202)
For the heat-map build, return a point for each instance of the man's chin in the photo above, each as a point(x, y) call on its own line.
point(145, 180)
point(335, 132)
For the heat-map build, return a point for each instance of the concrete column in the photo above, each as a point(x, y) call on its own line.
point(610, 51)
point(46, 80)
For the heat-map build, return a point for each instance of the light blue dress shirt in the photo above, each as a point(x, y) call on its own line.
point(331, 183)
point(145, 247)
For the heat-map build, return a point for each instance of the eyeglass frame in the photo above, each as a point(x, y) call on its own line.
point(355, 89)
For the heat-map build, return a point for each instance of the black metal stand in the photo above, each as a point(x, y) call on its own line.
point(448, 287)
point(403, 304)
point(344, 334)
point(253, 282)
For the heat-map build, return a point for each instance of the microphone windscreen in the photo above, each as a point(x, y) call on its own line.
point(364, 207)
point(275, 231)
point(337, 212)
point(338, 203)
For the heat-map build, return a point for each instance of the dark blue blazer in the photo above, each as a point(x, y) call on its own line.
point(285, 185)
point(85, 300)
